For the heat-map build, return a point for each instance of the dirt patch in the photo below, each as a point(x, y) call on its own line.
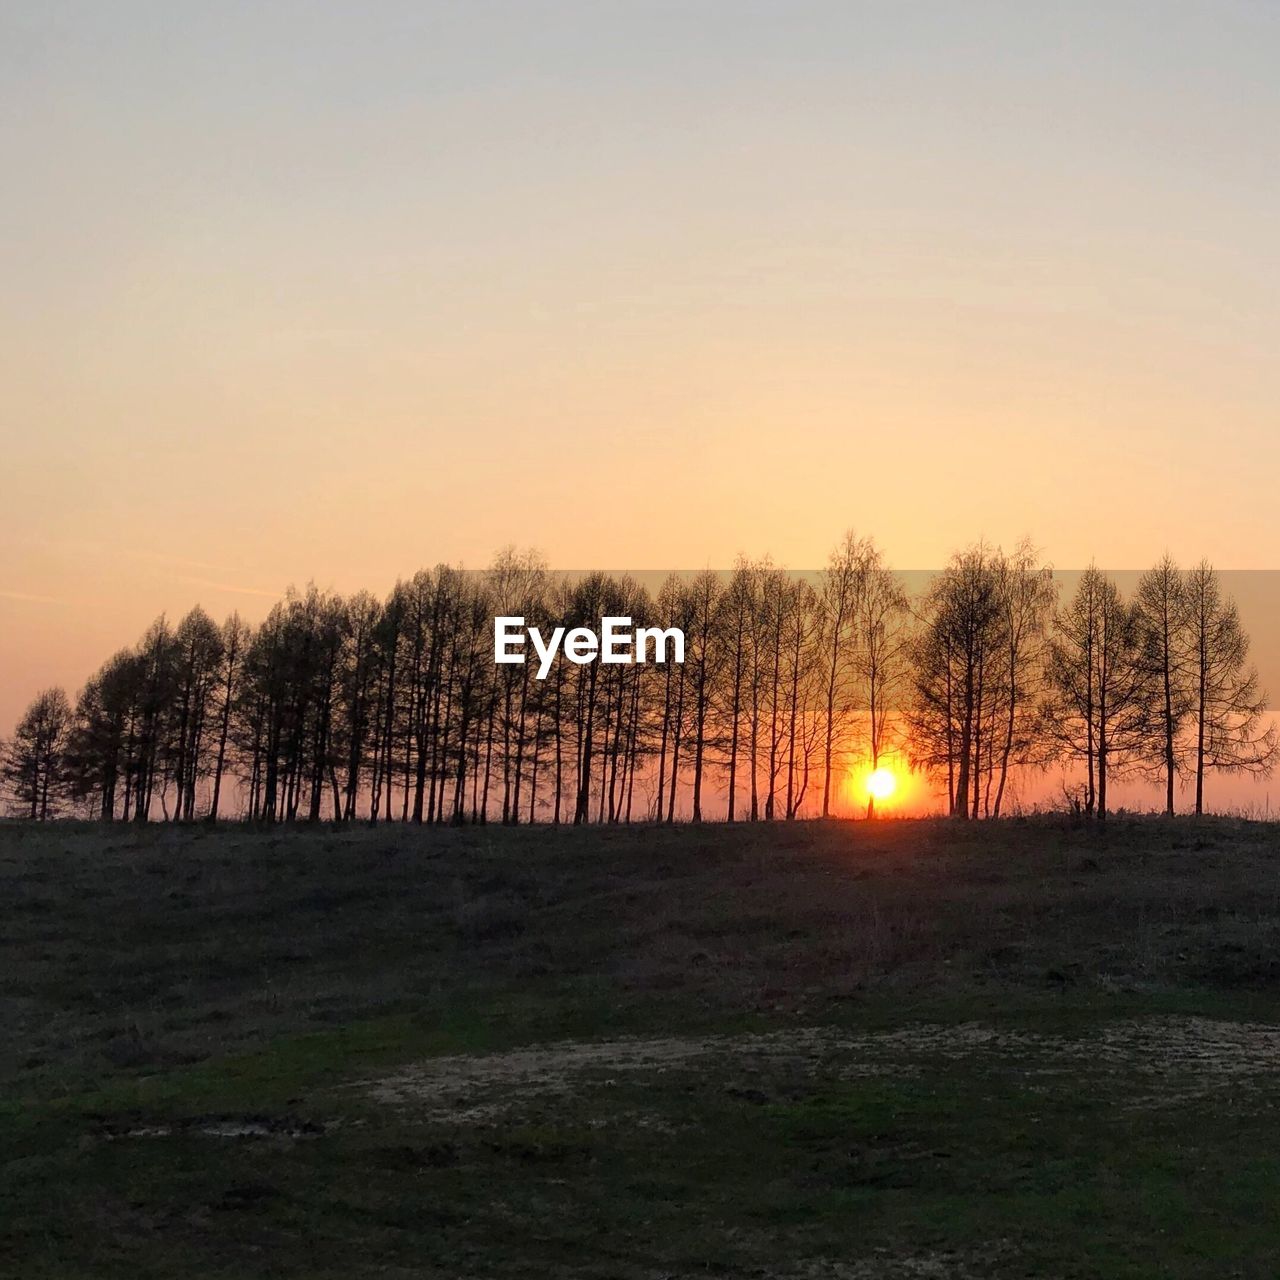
point(224, 1127)
point(481, 1087)
point(1186, 1056)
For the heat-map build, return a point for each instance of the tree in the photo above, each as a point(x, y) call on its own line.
point(704, 657)
point(956, 655)
point(880, 635)
point(676, 608)
point(1099, 706)
point(235, 639)
point(758, 586)
point(1163, 635)
point(101, 754)
point(976, 668)
point(196, 656)
point(155, 708)
point(519, 584)
point(841, 586)
point(33, 765)
point(1027, 595)
point(801, 686)
point(1227, 705)
point(736, 625)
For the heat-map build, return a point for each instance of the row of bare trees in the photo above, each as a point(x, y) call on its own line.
point(343, 708)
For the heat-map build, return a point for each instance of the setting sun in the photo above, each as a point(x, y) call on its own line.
point(881, 784)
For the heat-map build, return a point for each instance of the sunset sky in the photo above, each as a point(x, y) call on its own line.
point(318, 291)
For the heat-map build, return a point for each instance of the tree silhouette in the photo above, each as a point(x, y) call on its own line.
point(1100, 700)
point(1163, 634)
point(1226, 703)
point(344, 707)
point(33, 763)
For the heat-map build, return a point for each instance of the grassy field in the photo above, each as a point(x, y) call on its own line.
point(899, 1049)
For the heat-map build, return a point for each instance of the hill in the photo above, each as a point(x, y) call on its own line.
point(840, 1049)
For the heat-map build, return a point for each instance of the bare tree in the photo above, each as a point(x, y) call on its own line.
point(33, 763)
point(234, 642)
point(880, 625)
point(756, 586)
point(1027, 594)
point(802, 687)
point(1164, 637)
point(101, 753)
point(342, 704)
point(1099, 708)
point(1228, 707)
point(841, 586)
point(675, 603)
point(197, 654)
point(737, 617)
point(957, 654)
point(703, 657)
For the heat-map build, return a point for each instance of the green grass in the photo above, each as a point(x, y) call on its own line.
point(892, 1049)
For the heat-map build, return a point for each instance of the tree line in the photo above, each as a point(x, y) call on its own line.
point(343, 708)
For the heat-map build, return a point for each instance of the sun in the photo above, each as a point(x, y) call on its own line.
point(881, 784)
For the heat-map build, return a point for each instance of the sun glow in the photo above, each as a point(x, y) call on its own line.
point(881, 783)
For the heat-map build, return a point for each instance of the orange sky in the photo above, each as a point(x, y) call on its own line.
point(335, 292)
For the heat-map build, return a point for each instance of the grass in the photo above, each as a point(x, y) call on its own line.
point(818, 1050)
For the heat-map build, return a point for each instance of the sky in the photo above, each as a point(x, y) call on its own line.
point(333, 291)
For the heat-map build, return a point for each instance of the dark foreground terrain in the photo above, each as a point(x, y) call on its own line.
point(822, 1050)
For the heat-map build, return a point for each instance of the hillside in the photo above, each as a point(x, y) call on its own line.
point(859, 1049)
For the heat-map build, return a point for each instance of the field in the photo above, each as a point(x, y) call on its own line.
point(896, 1049)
